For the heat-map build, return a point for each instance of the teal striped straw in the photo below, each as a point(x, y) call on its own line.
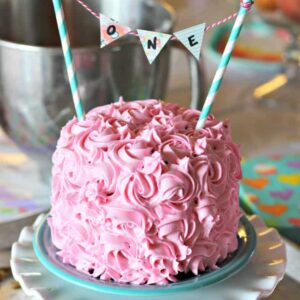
point(65, 41)
point(215, 86)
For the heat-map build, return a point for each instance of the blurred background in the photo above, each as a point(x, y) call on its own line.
point(268, 47)
point(260, 94)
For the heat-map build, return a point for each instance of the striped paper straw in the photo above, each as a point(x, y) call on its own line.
point(65, 41)
point(245, 7)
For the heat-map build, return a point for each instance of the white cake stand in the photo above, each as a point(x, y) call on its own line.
point(257, 280)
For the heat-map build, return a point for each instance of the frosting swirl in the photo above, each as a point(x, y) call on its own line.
point(139, 195)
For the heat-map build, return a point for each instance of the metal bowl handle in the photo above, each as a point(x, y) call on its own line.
point(197, 77)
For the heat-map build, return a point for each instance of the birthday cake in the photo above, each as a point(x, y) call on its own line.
point(140, 196)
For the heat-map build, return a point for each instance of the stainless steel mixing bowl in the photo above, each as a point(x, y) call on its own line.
point(35, 98)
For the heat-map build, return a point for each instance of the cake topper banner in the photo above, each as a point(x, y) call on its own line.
point(191, 38)
point(190, 42)
point(152, 42)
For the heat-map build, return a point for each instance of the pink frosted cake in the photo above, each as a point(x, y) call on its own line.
point(139, 196)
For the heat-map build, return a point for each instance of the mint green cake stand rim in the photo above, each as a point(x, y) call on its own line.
point(42, 242)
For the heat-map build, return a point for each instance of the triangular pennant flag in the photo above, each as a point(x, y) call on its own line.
point(153, 42)
point(192, 38)
point(111, 30)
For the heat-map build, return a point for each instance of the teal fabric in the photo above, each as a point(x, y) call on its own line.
point(271, 189)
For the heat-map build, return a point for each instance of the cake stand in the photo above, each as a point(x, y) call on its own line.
point(258, 279)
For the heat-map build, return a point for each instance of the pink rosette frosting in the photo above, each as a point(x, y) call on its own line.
point(139, 195)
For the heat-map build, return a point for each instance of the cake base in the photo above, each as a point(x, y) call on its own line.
point(46, 253)
point(251, 282)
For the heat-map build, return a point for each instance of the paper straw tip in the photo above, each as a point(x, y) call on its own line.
point(247, 3)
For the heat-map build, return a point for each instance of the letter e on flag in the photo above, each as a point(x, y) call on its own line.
point(192, 38)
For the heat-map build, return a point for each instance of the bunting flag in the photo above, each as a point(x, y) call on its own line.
point(192, 38)
point(111, 30)
point(153, 42)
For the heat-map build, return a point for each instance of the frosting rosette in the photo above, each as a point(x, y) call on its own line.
point(139, 195)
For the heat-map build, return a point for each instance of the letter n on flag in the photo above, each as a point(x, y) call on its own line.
point(192, 38)
point(153, 42)
point(111, 30)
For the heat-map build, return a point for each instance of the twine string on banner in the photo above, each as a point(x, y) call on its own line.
point(208, 27)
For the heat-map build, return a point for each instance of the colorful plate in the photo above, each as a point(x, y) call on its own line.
point(46, 253)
